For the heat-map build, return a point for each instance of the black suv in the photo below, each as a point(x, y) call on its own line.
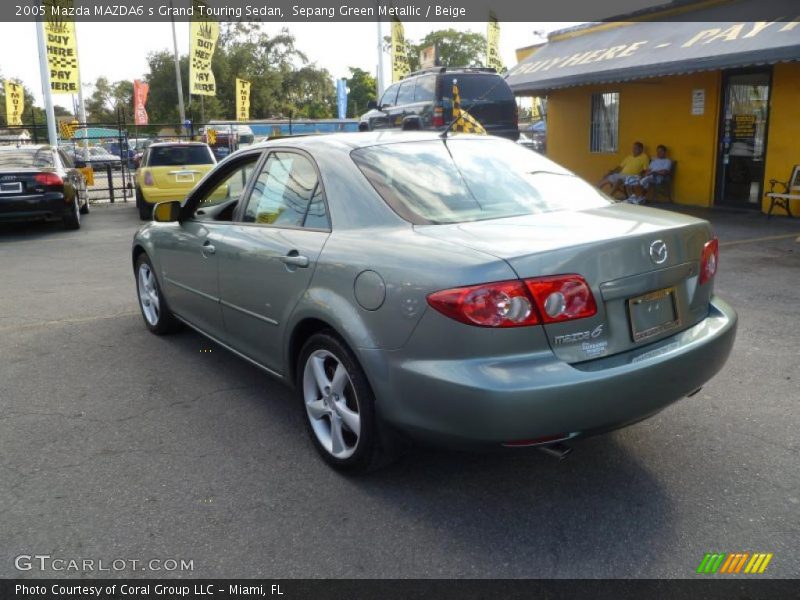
point(424, 100)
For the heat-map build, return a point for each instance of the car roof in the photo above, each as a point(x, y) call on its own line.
point(353, 140)
point(178, 143)
point(26, 147)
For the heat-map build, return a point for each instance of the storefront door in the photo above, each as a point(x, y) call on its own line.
point(743, 138)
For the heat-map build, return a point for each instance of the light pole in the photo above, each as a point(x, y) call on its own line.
point(179, 83)
point(44, 73)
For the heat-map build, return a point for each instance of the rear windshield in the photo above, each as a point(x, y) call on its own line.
point(169, 156)
point(460, 180)
point(472, 87)
point(26, 158)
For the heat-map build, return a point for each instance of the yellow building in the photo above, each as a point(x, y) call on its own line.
point(723, 96)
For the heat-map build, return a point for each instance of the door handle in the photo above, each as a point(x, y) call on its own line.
point(295, 259)
point(207, 248)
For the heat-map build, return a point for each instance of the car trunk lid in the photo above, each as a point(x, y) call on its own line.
point(642, 295)
point(22, 182)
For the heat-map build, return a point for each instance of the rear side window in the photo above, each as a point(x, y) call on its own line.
point(287, 193)
point(426, 89)
point(169, 156)
point(406, 93)
point(461, 180)
point(472, 87)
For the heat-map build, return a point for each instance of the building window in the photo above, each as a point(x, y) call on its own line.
point(605, 122)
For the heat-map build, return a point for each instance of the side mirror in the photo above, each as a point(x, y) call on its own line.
point(372, 105)
point(167, 212)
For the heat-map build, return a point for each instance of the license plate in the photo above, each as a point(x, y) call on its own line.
point(11, 188)
point(184, 177)
point(653, 314)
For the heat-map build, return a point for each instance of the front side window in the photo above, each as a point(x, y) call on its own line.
point(230, 187)
point(389, 96)
point(460, 180)
point(287, 193)
point(406, 93)
point(605, 122)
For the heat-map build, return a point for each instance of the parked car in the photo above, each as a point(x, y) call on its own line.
point(124, 152)
point(462, 290)
point(424, 100)
point(168, 171)
point(40, 182)
point(534, 136)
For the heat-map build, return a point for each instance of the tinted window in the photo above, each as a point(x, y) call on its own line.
point(389, 96)
point(287, 193)
point(471, 180)
point(406, 93)
point(426, 89)
point(168, 156)
point(471, 87)
point(26, 158)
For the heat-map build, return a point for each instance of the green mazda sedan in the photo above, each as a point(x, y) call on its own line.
point(460, 289)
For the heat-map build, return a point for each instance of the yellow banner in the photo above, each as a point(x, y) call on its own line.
point(15, 103)
point(493, 44)
point(400, 66)
point(203, 36)
point(242, 100)
point(62, 48)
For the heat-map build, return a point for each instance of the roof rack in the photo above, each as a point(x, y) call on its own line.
point(452, 69)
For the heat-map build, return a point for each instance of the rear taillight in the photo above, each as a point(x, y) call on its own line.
point(48, 179)
point(517, 303)
point(148, 178)
point(562, 297)
point(709, 260)
point(438, 116)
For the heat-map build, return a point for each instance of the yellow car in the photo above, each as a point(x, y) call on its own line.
point(168, 171)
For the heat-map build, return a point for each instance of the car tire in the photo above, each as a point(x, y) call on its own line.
point(331, 414)
point(145, 210)
point(156, 313)
point(72, 220)
point(85, 205)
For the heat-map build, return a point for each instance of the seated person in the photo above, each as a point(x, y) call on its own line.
point(658, 171)
point(629, 171)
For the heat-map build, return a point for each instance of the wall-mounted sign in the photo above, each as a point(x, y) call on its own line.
point(698, 101)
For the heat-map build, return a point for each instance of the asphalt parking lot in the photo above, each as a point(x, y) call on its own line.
point(117, 444)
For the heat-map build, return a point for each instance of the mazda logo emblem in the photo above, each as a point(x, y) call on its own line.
point(658, 251)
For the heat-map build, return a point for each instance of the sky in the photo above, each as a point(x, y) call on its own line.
point(119, 50)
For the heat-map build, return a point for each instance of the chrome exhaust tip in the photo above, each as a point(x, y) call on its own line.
point(559, 450)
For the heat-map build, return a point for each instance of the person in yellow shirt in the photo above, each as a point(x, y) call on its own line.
point(627, 175)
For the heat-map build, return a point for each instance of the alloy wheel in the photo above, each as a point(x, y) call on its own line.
point(148, 294)
point(331, 404)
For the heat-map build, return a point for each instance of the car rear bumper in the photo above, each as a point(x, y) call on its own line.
point(50, 206)
point(155, 195)
point(528, 397)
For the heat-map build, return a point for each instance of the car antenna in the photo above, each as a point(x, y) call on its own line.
point(443, 135)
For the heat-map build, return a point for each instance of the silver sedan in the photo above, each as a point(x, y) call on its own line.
point(459, 289)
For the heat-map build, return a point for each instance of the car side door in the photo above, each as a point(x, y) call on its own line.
point(404, 104)
point(379, 118)
point(270, 253)
point(187, 251)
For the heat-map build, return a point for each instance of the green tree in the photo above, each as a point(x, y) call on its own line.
point(454, 48)
point(362, 89)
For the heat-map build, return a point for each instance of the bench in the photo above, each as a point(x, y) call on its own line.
point(783, 199)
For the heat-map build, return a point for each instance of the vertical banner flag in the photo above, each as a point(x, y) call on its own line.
point(15, 103)
point(242, 100)
point(62, 51)
point(493, 43)
point(140, 91)
point(341, 98)
point(203, 35)
point(400, 66)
